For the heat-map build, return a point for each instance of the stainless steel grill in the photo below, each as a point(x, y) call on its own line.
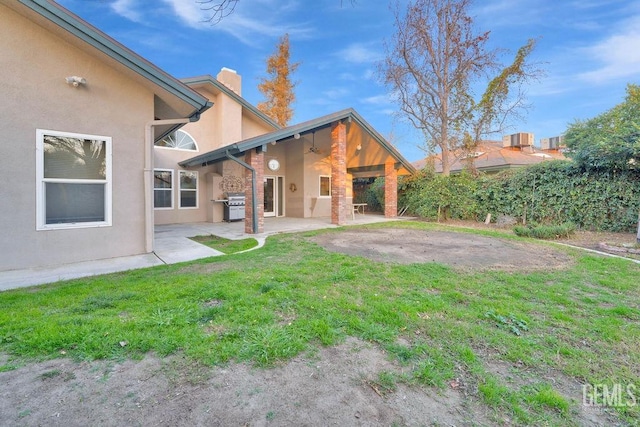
point(234, 207)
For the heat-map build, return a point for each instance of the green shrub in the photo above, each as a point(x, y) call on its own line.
point(374, 195)
point(545, 231)
point(438, 197)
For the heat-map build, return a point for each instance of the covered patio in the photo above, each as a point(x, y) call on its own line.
point(305, 171)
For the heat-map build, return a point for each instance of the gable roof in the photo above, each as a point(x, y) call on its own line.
point(81, 30)
point(287, 133)
point(491, 156)
point(208, 79)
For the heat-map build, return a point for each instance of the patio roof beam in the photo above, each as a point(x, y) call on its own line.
point(372, 168)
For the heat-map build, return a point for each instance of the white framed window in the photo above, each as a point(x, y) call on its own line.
point(325, 186)
point(163, 189)
point(188, 189)
point(178, 140)
point(73, 180)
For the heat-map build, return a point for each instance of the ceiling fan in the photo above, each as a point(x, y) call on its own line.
point(313, 149)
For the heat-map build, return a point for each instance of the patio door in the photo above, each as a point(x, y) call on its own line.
point(273, 196)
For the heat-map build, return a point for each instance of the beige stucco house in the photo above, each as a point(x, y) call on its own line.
point(100, 145)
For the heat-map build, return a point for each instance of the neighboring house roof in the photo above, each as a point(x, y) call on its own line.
point(196, 104)
point(289, 132)
point(491, 156)
point(208, 79)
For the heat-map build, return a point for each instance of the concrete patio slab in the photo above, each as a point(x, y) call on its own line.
point(36, 276)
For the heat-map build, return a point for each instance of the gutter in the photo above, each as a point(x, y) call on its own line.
point(194, 117)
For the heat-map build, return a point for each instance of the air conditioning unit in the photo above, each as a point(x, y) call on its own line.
point(553, 143)
point(521, 139)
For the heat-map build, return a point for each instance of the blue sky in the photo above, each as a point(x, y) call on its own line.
point(590, 50)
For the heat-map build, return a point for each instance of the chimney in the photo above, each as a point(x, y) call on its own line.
point(230, 79)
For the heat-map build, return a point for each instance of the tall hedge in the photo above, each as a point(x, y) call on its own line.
point(550, 192)
point(434, 196)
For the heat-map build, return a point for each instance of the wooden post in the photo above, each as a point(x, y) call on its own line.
point(638, 235)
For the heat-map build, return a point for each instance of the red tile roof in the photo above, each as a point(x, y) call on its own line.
point(492, 156)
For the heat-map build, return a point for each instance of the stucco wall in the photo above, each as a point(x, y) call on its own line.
point(34, 95)
point(252, 127)
point(295, 175)
point(228, 120)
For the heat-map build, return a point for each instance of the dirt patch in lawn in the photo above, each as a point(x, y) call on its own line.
point(462, 250)
point(334, 386)
point(581, 238)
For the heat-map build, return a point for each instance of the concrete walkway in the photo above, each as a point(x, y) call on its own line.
point(172, 245)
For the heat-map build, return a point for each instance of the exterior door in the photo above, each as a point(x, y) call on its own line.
point(270, 198)
point(273, 196)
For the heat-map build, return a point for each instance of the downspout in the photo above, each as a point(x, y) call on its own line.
point(254, 189)
point(148, 176)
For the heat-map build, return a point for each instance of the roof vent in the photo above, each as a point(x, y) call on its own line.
point(517, 140)
point(553, 143)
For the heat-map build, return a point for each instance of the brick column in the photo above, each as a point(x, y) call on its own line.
point(256, 161)
point(390, 190)
point(339, 174)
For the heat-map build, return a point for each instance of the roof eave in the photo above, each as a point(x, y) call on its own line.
point(288, 132)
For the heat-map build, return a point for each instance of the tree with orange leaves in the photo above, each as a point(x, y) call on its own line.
point(278, 89)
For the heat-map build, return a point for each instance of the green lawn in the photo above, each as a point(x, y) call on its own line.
point(271, 304)
point(226, 246)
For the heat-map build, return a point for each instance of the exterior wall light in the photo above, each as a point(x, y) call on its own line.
point(76, 81)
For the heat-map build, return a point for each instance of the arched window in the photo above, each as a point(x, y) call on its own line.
point(180, 140)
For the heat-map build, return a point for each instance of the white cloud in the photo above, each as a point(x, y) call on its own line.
point(336, 93)
point(369, 74)
point(127, 8)
point(360, 53)
point(508, 13)
point(377, 100)
point(347, 77)
point(249, 23)
point(190, 12)
point(619, 54)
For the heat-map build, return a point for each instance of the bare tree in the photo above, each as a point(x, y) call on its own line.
point(278, 89)
point(221, 9)
point(431, 65)
point(217, 10)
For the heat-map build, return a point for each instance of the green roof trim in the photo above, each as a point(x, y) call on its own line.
point(105, 44)
point(207, 78)
point(288, 132)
